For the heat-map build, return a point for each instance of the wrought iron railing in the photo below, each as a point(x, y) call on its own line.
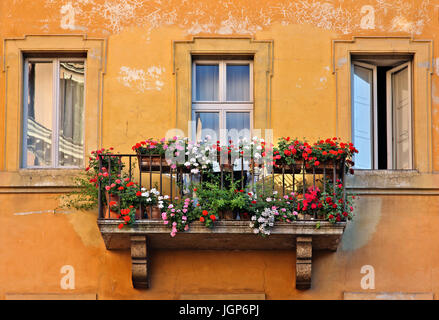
point(254, 176)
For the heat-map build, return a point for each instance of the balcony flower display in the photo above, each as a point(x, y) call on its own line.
point(214, 195)
point(293, 152)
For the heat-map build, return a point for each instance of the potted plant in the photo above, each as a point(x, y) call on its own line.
point(151, 154)
point(155, 202)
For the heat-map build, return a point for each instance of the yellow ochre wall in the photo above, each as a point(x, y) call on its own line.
point(131, 95)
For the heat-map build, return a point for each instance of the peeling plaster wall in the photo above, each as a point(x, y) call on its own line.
point(395, 233)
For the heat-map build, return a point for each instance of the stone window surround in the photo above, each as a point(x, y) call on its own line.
point(422, 51)
point(14, 49)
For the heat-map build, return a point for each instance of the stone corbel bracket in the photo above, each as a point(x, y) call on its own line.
point(303, 262)
point(139, 262)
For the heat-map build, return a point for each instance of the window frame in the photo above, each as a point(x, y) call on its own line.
point(374, 110)
point(391, 160)
point(222, 106)
point(55, 110)
point(391, 155)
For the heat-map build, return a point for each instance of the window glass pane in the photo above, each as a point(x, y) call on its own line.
point(362, 92)
point(71, 113)
point(238, 125)
point(206, 83)
point(238, 82)
point(207, 123)
point(38, 126)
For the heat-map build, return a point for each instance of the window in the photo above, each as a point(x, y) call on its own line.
point(382, 112)
point(53, 112)
point(222, 98)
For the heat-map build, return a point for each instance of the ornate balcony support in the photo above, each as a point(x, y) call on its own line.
point(303, 262)
point(139, 261)
point(146, 235)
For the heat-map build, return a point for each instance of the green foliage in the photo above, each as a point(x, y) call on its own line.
point(84, 196)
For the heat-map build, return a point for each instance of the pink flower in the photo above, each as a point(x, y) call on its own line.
point(118, 181)
point(165, 222)
point(186, 227)
point(107, 188)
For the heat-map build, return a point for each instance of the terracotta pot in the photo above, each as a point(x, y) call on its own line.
point(226, 215)
point(110, 214)
point(139, 213)
point(155, 213)
point(147, 162)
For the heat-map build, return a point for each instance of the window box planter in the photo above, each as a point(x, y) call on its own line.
point(153, 162)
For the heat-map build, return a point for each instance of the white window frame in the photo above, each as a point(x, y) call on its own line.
point(222, 106)
point(374, 116)
point(55, 110)
point(389, 113)
point(391, 156)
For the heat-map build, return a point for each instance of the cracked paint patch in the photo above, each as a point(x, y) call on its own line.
point(141, 80)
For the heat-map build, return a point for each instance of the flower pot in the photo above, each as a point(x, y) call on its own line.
point(154, 213)
point(109, 213)
point(152, 162)
point(139, 213)
point(287, 169)
point(226, 215)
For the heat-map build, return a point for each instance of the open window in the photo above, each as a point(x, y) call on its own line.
point(381, 93)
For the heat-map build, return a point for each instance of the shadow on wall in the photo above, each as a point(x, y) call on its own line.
point(361, 229)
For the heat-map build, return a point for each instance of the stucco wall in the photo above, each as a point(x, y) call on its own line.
point(395, 233)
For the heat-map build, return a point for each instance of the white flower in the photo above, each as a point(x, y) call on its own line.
point(255, 230)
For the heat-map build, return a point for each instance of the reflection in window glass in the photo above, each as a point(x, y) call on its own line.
point(207, 123)
point(206, 82)
point(238, 125)
point(238, 82)
point(362, 92)
point(39, 125)
point(71, 113)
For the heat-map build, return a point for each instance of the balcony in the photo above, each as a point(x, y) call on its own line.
point(303, 231)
